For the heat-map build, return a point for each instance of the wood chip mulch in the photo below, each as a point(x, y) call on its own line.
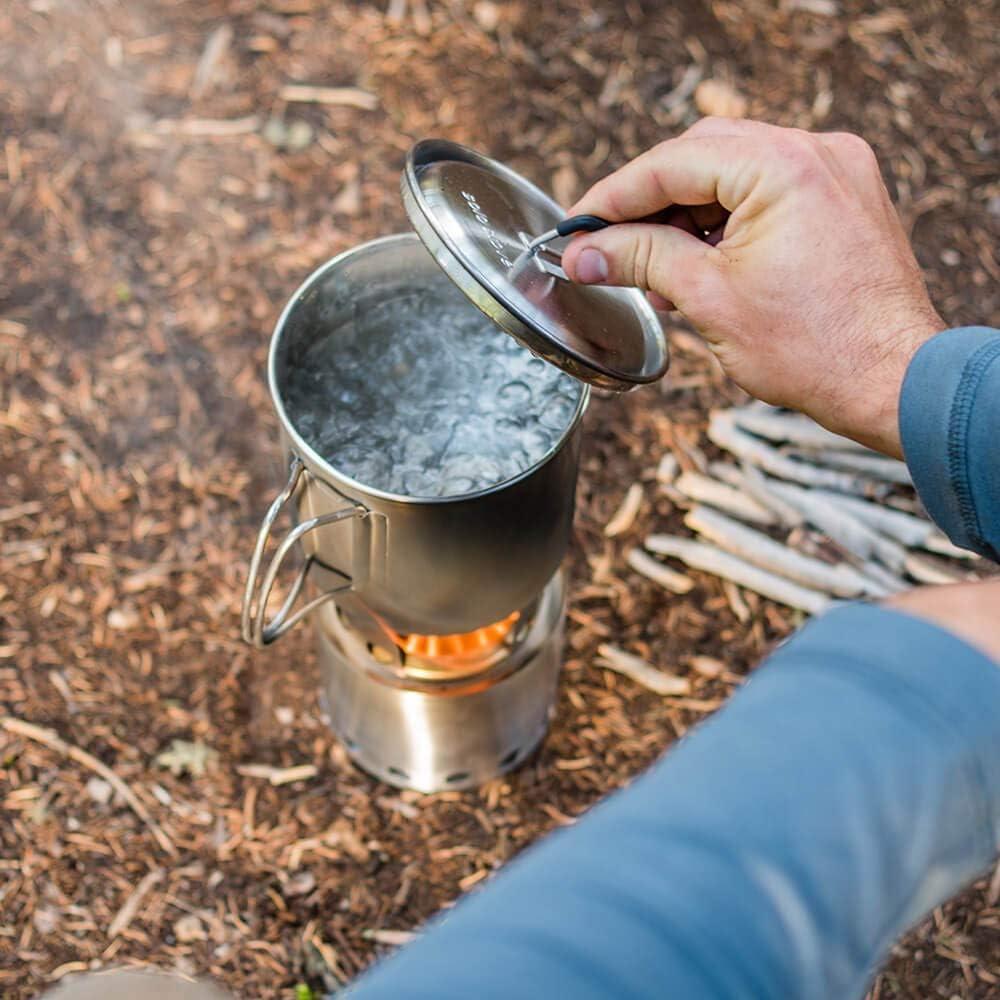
point(165, 183)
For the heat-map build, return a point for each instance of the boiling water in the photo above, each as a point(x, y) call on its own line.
point(422, 395)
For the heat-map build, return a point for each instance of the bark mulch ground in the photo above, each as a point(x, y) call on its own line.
point(161, 194)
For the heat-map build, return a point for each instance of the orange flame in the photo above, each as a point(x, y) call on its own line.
point(456, 650)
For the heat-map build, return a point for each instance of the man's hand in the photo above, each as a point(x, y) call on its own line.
point(812, 299)
point(969, 610)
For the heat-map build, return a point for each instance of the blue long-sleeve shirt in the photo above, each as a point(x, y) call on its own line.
point(852, 785)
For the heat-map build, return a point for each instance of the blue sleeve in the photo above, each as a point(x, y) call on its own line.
point(949, 419)
point(853, 784)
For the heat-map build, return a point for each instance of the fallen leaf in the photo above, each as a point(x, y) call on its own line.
point(184, 756)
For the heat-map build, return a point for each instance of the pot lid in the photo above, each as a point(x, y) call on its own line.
point(478, 218)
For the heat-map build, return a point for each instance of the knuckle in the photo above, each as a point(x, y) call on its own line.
point(642, 262)
point(802, 155)
point(854, 149)
point(615, 201)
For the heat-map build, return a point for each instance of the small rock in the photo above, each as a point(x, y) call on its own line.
point(713, 97)
point(45, 919)
point(294, 136)
point(298, 136)
point(99, 790)
point(951, 257)
point(300, 884)
point(190, 928)
point(487, 15)
point(123, 619)
point(274, 131)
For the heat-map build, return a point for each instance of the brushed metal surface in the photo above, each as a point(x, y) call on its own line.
point(431, 736)
point(433, 566)
point(477, 218)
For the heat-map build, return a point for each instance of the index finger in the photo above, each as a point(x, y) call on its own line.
point(694, 170)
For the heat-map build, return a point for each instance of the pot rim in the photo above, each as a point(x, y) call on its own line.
point(315, 461)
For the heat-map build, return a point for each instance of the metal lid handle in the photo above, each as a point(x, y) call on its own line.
point(253, 620)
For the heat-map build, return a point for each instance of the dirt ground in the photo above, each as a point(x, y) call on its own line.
point(161, 196)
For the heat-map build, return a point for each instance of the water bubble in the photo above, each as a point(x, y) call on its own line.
point(514, 394)
point(508, 425)
point(536, 442)
point(421, 394)
point(454, 486)
point(555, 414)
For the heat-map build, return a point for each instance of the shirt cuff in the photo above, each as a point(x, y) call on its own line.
point(949, 410)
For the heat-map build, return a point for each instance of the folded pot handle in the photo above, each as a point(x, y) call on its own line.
point(254, 625)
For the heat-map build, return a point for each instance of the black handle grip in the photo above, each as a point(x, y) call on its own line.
point(673, 215)
point(581, 224)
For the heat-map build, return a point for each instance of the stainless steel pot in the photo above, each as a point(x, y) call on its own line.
point(432, 566)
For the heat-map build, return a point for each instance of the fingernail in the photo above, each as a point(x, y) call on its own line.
point(591, 267)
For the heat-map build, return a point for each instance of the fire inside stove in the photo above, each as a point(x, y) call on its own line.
point(456, 653)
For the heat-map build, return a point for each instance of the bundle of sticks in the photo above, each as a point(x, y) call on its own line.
point(799, 515)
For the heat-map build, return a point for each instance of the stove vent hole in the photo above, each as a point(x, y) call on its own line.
point(509, 757)
point(398, 772)
point(456, 777)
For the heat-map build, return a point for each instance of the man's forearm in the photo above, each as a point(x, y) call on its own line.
point(776, 852)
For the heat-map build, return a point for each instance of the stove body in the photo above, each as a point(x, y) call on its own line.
point(433, 722)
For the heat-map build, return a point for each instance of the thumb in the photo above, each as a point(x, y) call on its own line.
point(661, 259)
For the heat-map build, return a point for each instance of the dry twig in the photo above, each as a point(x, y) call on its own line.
point(839, 580)
point(793, 428)
point(126, 914)
point(843, 527)
point(723, 431)
point(641, 672)
point(711, 560)
point(871, 464)
point(754, 483)
point(695, 486)
point(653, 569)
point(625, 516)
point(279, 775)
point(351, 97)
